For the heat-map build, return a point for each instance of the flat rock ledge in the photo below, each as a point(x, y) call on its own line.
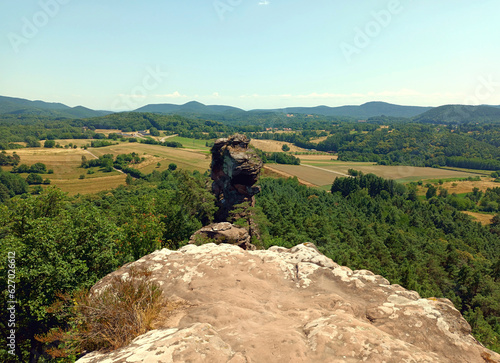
point(290, 305)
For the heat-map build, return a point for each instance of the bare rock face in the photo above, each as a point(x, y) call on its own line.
point(290, 305)
point(223, 232)
point(235, 170)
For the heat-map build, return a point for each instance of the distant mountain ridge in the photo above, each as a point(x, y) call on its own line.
point(366, 110)
point(459, 113)
point(441, 114)
point(190, 107)
point(21, 106)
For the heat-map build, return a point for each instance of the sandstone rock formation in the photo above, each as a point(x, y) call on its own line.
point(223, 232)
point(235, 170)
point(287, 306)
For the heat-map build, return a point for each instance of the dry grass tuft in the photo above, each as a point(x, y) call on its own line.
point(126, 308)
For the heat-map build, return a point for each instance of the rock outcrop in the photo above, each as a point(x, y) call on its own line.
point(235, 169)
point(290, 305)
point(223, 232)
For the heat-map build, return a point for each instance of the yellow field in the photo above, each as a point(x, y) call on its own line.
point(107, 132)
point(467, 186)
point(184, 158)
point(319, 171)
point(274, 172)
point(313, 158)
point(482, 218)
point(274, 146)
point(66, 163)
point(77, 142)
point(319, 139)
point(89, 186)
point(66, 166)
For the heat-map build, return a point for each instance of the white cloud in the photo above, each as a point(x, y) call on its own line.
point(131, 96)
point(175, 94)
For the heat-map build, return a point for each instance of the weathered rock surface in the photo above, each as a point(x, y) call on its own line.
point(292, 305)
point(235, 170)
point(223, 232)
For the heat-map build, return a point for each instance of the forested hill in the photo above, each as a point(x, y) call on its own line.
point(20, 106)
point(228, 114)
point(452, 114)
point(364, 111)
point(192, 107)
point(367, 110)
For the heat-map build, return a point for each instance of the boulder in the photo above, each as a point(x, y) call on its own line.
point(223, 232)
point(289, 305)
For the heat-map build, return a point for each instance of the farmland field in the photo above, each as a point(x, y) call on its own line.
point(194, 144)
point(88, 185)
point(316, 170)
point(467, 186)
point(323, 172)
point(274, 146)
point(184, 158)
point(482, 218)
point(66, 163)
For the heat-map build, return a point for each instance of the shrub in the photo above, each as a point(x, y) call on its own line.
point(108, 319)
point(34, 179)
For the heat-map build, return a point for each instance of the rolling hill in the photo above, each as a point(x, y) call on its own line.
point(21, 106)
point(364, 111)
point(459, 113)
point(192, 107)
point(441, 114)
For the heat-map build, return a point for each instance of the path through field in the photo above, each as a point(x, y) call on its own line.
point(167, 137)
point(329, 171)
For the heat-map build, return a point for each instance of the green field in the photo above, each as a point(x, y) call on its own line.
point(191, 143)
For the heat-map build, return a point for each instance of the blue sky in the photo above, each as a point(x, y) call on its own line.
point(123, 54)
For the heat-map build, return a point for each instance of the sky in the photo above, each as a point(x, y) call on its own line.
point(123, 54)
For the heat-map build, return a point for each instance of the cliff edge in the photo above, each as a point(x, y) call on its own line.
point(289, 305)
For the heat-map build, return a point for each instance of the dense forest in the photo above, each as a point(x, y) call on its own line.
point(63, 244)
